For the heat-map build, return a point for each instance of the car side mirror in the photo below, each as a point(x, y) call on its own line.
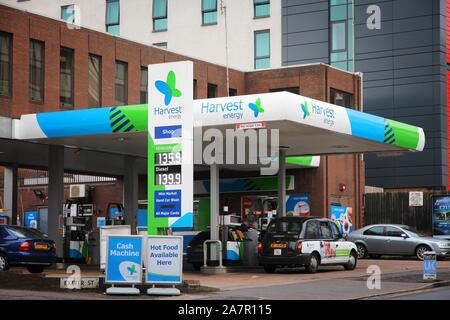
point(404, 235)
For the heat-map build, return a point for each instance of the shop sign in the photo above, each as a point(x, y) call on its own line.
point(416, 199)
point(441, 215)
point(164, 261)
point(170, 144)
point(123, 259)
point(298, 205)
point(343, 218)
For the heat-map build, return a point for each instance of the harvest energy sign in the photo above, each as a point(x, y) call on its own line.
point(170, 144)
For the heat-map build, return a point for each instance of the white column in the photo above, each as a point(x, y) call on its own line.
point(55, 195)
point(281, 183)
point(10, 193)
point(130, 191)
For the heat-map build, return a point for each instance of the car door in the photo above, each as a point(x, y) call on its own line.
point(375, 239)
point(395, 243)
point(327, 243)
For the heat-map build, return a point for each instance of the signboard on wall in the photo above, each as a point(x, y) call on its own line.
point(343, 217)
point(441, 215)
point(298, 205)
point(170, 145)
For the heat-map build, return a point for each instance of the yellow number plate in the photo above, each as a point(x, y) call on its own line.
point(41, 246)
point(278, 245)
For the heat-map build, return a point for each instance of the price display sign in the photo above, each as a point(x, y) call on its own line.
point(170, 158)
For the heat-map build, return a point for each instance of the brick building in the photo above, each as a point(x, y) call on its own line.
point(48, 66)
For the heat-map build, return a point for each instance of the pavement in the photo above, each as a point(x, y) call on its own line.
point(397, 276)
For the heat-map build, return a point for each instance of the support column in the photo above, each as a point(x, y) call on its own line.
point(281, 183)
point(130, 192)
point(215, 205)
point(10, 193)
point(56, 195)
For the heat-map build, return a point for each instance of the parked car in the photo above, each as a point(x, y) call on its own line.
point(398, 240)
point(305, 241)
point(27, 247)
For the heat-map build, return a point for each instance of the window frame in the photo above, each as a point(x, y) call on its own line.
point(154, 19)
point(160, 45)
point(208, 11)
point(68, 6)
point(319, 233)
point(216, 90)
point(372, 235)
point(140, 86)
point(232, 90)
point(125, 82)
point(10, 63)
point(100, 98)
point(333, 92)
point(255, 58)
point(257, 4)
point(332, 23)
point(72, 78)
point(106, 16)
point(42, 90)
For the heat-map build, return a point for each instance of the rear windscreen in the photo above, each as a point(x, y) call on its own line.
point(285, 227)
point(20, 232)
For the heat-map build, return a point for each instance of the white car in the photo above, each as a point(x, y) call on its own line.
point(305, 241)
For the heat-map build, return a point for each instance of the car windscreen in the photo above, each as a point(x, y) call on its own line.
point(281, 227)
point(21, 233)
point(414, 232)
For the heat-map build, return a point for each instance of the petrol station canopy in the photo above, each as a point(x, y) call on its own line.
point(306, 126)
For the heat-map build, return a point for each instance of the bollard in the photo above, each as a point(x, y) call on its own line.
point(429, 265)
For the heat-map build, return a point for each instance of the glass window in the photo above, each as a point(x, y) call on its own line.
point(335, 231)
point(261, 8)
point(144, 84)
point(209, 12)
point(95, 81)
point(113, 17)
point(414, 232)
point(66, 78)
point(21, 232)
point(232, 92)
point(312, 230)
point(195, 89)
point(36, 85)
point(5, 63)
point(68, 13)
point(393, 232)
point(341, 98)
point(374, 231)
point(159, 15)
point(285, 227)
point(212, 90)
point(162, 45)
point(262, 49)
point(325, 230)
point(338, 36)
point(121, 83)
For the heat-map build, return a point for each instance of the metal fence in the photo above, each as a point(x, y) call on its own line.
point(393, 207)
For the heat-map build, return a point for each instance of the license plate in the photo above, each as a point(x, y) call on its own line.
point(278, 245)
point(41, 246)
point(198, 249)
point(277, 252)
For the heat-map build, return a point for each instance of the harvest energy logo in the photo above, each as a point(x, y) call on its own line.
point(168, 88)
point(305, 109)
point(132, 269)
point(256, 107)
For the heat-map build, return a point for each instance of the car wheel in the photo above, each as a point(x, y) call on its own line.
point(362, 251)
point(4, 265)
point(197, 266)
point(421, 250)
point(352, 261)
point(312, 265)
point(35, 269)
point(269, 269)
point(375, 256)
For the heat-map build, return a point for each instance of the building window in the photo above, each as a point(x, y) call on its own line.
point(37, 56)
point(68, 13)
point(121, 83)
point(95, 81)
point(341, 34)
point(162, 45)
point(212, 90)
point(5, 63)
point(209, 12)
point(194, 86)
point(113, 17)
point(295, 90)
point(232, 92)
point(262, 49)
point(341, 98)
point(159, 15)
point(66, 78)
point(144, 84)
point(261, 8)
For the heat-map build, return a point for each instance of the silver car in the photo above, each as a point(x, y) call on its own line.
point(397, 240)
